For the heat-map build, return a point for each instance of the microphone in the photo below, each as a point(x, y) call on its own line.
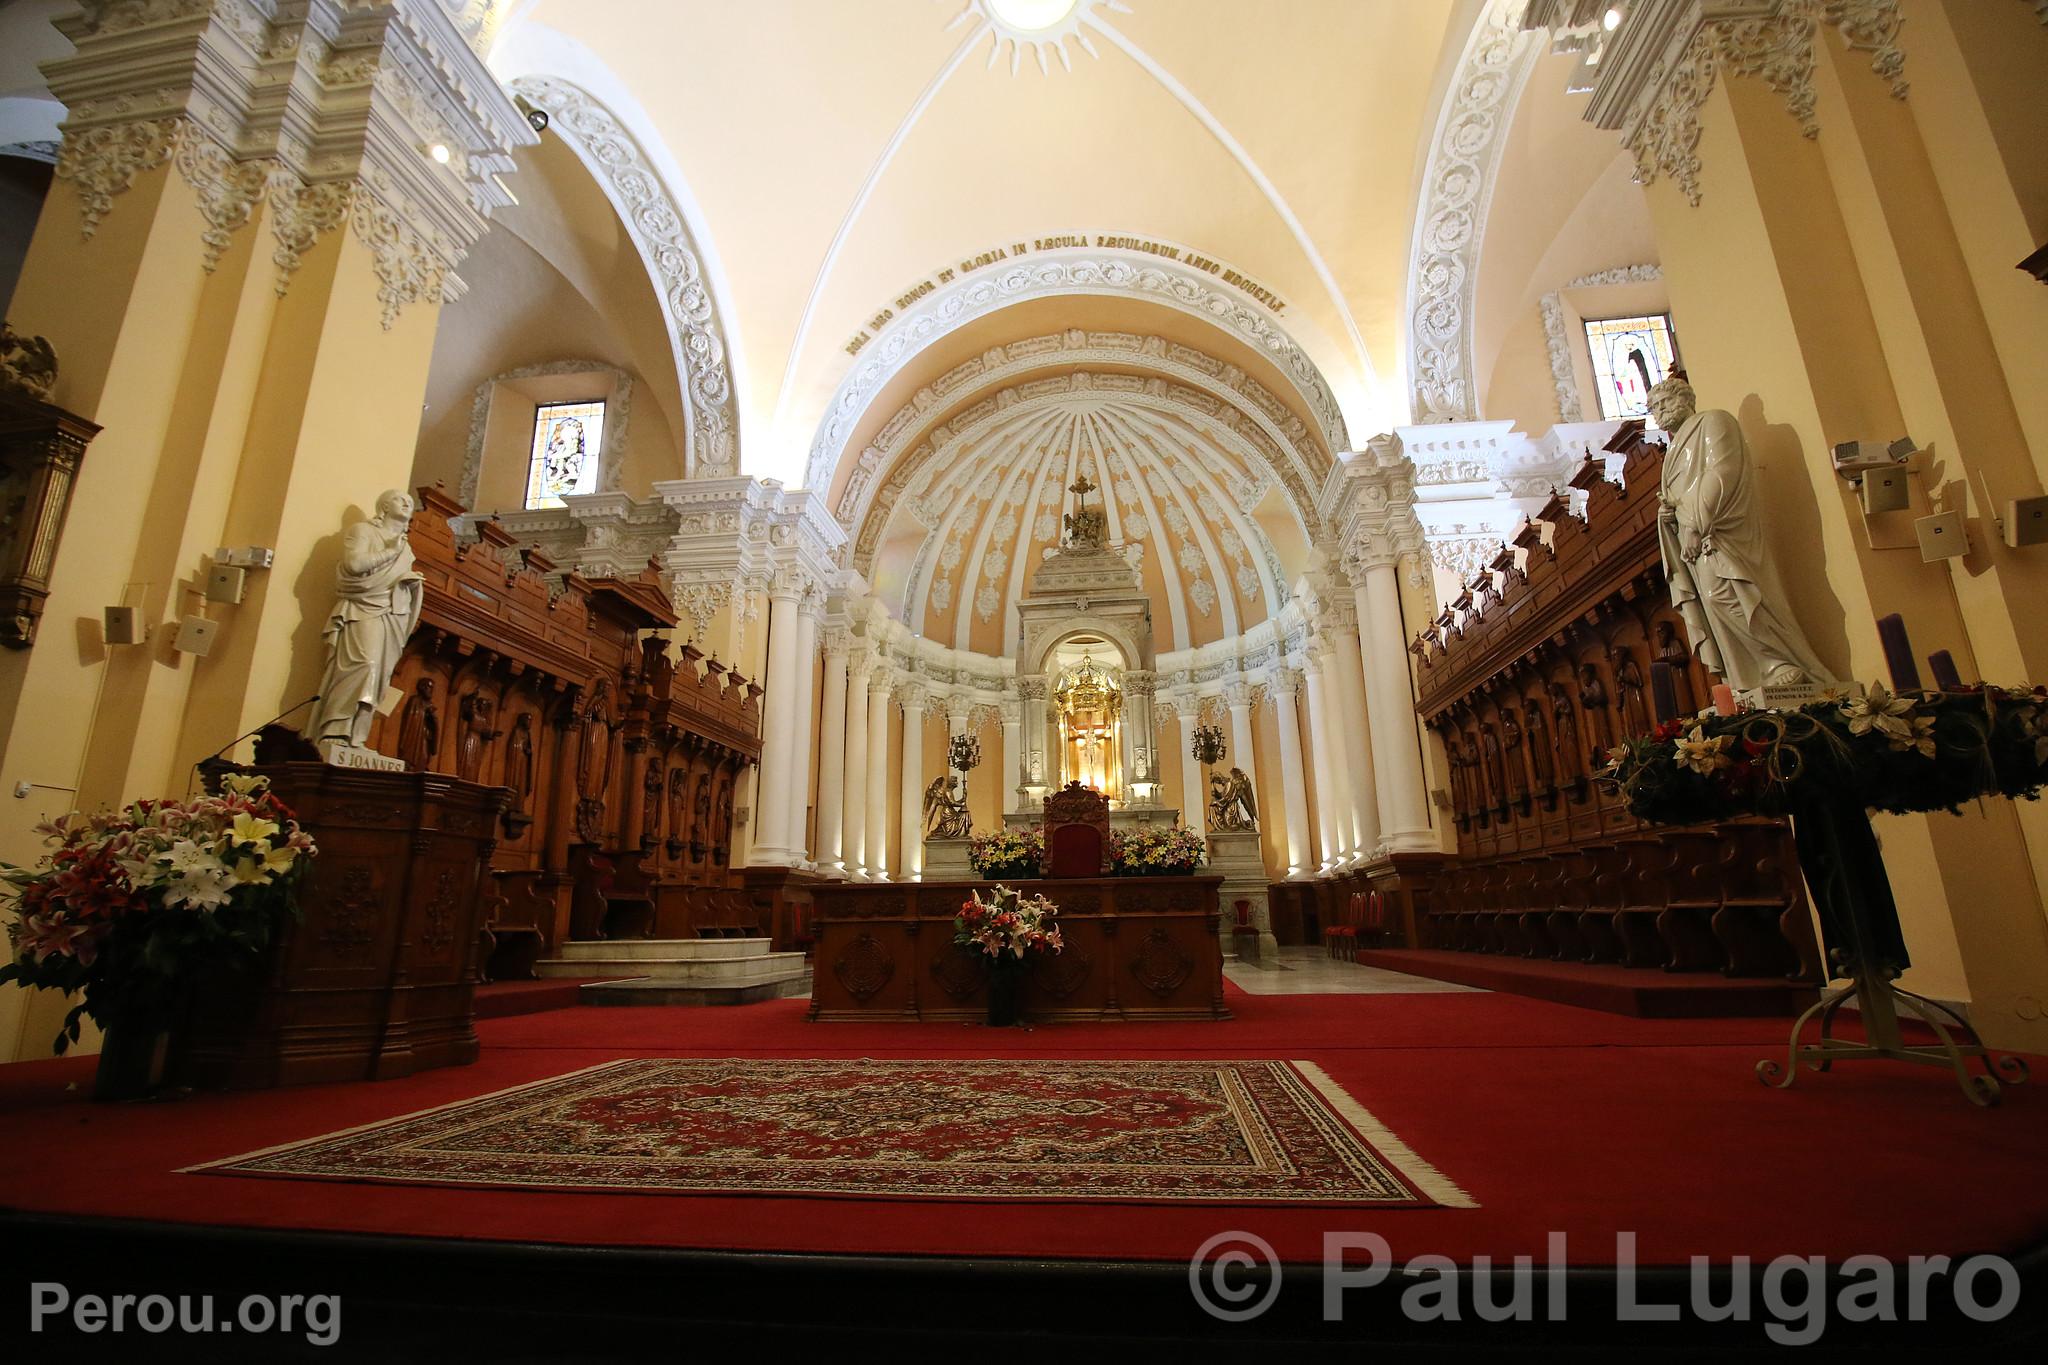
point(223, 749)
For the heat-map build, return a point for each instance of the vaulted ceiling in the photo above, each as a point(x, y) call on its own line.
point(833, 156)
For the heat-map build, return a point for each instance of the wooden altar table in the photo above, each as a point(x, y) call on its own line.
point(1136, 948)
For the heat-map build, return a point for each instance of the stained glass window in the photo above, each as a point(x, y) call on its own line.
point(566, 440)
point(1629, 356)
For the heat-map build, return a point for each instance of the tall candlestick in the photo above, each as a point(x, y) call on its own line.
point(1942, 665)
point(1898, 653)
point(1663, 691)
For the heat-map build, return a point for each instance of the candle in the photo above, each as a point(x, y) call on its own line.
point(1898, 653)
point(1942, 665)
point(1663, 691)
point(1724, 699)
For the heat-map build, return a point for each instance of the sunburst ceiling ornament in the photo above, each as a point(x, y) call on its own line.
point(1041, 25)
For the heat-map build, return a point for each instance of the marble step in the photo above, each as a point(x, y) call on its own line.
point(725, 971)
point(667, 949)
point(648, 991)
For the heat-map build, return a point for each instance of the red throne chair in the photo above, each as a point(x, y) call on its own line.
point(1077, 832)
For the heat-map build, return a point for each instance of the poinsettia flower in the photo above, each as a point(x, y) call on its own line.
point(1702, 754)
point(1879, 711)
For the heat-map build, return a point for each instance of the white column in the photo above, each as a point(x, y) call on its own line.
point(800, 752)
point(778, 731)
point(1329, 767)
point(1300, 859)
point(1238, 696)
point(1365, 801)
point(910, 846)
point(1012, 756)
point(854, 783)
point(1194, 802)
point(874, 850)
point(1390, 706)
point(832, 754)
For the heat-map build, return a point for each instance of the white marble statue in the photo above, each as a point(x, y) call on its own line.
point(1710, 527)
point(377, 604)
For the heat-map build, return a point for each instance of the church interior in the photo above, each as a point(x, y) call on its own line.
point(991, 673)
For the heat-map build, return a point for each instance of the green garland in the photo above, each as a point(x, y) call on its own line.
point(1910, 751)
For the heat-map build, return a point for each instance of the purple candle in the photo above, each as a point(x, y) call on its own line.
point(1898, 653)
point(1942, 665)
point(1663, 691)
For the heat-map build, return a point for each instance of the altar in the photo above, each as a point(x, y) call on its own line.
point(1136, 948)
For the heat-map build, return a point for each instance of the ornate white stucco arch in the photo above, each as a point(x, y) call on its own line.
point(641, 195)
point(1076, 271)
point(1450, 220)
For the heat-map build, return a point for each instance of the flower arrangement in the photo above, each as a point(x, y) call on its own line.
point(128, 902)
point(1008, 925)
point(1897, 752)
point(1155, 851)
point(1007, 854)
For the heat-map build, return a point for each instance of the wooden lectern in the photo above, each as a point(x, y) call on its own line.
point(376, 979)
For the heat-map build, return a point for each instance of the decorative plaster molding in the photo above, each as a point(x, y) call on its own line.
point(201, 84)
point(1055, 273)
point(658, 229)
point(1551, 306)
point(1670, 58)
point(1450, 224)
point(617, 418)
point(46, 152)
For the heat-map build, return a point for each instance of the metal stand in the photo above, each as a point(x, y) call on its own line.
point(1878, 1001)
point(1843, 866)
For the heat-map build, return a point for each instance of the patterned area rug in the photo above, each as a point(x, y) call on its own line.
point(1223, 1132)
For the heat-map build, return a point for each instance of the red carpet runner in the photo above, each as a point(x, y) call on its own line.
point(1551, 1118)
point(1229, 1132)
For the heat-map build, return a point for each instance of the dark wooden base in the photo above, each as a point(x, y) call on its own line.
point(377, 978)
point(1602, 986)
point(1136, 948)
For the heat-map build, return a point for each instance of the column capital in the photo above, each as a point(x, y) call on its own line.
point(326, 112)
point(1285, 683)
point(1237, 695)
point(959, 706)
point(834, 642)
point(911, 696)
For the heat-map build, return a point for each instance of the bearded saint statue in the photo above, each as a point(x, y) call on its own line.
point(378, 597)
point(1710, 528)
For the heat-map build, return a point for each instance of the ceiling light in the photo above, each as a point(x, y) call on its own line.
point(1612, 19)
point(439, 151)
point(1032, 16)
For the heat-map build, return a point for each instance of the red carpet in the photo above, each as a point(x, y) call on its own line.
point(1551, 1118)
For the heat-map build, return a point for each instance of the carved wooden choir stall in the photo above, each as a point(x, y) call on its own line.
point(622, 764)
point(1527, 679)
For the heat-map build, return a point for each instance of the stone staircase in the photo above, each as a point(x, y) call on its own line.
point(679, 971)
